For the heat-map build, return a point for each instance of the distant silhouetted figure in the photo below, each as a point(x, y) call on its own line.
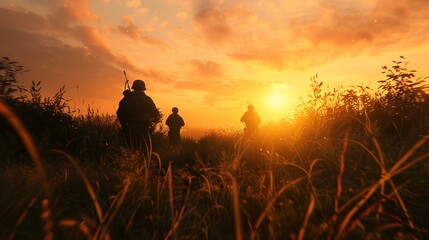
point(175, 123)
point(137, 115)
point(252, 121)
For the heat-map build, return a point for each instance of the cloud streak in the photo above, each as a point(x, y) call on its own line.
point(130, 29)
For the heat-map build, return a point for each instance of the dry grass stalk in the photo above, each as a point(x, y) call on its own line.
point(270, 204)
point(101, 232)
point(171, 198)
point(22, 217)
point(340, 175)
point(179, 217)
point(236, 206)
point(28, 142)
point(88, 186)
point(310, 209)
point(387, 176)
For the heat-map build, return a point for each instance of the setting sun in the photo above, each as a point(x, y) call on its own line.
point(276, 101)
point(276, 107)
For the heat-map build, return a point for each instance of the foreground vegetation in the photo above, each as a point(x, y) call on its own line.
point(352, 164)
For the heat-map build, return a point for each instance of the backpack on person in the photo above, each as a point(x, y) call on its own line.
point(126, 110)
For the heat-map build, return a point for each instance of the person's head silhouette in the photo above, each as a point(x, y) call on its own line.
point(138, 85)
point(175, 110)
point(250, 107)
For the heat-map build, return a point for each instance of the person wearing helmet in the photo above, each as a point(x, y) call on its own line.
point(175, 123)
point(138, 85)
point(137, 115)
point(252, 120)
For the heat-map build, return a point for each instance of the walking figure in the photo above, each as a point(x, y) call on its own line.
point(137, 115)
point(252, 120)
point(175, 123)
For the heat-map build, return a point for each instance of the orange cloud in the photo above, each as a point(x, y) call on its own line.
point(90, 37)
point(211, 22)
point(206, 69)
point(142, 11)
point(130, 29)
point(333, 31)
point(281, 59)
point(182, 15)
point(271, 60)
point(215, 92)
point(239, 15)
point(134, 3)
point(228, 93)
point(71, 11)
point(387, 24)
point(22, 20)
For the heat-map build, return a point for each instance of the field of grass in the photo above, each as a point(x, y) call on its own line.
point(353, 164)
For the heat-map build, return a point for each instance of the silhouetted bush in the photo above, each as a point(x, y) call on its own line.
point(51, 123)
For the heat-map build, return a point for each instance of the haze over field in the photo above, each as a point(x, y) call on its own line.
point(210, 58)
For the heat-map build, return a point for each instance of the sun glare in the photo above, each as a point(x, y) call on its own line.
point(275, 107)
point(276, 102)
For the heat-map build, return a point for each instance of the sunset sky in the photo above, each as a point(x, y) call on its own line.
point(210, 58)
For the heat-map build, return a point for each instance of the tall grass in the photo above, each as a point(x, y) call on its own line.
point(276, 194)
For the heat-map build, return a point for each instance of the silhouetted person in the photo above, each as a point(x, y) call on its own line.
point(252, 120)
point(175, 123)
point(137, 115)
